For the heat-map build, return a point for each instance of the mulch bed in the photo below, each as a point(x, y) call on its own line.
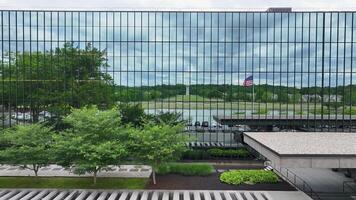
point(212, 182)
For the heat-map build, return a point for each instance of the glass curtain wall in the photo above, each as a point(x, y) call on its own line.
point(302, 64)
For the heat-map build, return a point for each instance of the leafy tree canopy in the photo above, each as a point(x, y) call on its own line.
point(28, 146)
point(94, 140)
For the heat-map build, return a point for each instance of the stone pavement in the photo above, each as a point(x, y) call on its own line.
point(129, 171)
point(45, 194)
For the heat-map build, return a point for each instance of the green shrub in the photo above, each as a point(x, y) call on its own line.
point(186, 169)
point(241, 153)
point(236, 177)
point(196, 154)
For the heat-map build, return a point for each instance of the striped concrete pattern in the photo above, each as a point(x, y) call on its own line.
point(131, 195)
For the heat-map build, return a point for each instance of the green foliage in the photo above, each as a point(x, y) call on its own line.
point(132, 114)
point(186, 169)
point(196, 154)
point(237, 177)
point(157, 144)
point(261, 111)
point(199, 154)
point(94, 140)
point(319, 111)
point(349, 110)
point(28, 146)
point(241, 153)
point(168, 118)
point(72, 183)
point(66, 76)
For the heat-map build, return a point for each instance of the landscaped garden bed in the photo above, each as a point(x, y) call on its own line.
point(238, 177)
point(212, 181)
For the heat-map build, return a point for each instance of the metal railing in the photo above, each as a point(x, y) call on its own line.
point(348, 188)
point(298, 182)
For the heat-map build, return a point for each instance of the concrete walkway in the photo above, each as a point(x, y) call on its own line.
point(322, 180)
point(45, 194)
point(128, 171)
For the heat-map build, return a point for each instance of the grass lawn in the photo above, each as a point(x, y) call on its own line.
point(73, 183)
point(190, 98)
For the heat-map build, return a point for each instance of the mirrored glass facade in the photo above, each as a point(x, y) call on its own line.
point(303, 63)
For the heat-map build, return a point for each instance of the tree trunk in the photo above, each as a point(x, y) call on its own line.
point(154, 176)
point(35, 169)
point(35, 115)
point(94, 177)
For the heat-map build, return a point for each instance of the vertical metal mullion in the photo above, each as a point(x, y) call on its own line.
point(148, 58)
point(183, 69)
point(155, 65)
point(10, 68)
point(162, 41)
point(217, 68)
point(281, 72)
point(141, 85)
point(337, 61)
point(51, 54)
point(351, 71)
point(47, 79)
point(315, 72)
point(259, 59)
point(267, 62)
point(127, 55)
point(2, 66)
point(330, 72)
point(274, 63)
point(231, 71)
point(17, 70)
point(31, 103)
point(308, 70)
point(176, 61)
point(106, 53)
point(169, 59)
point(134, 56)
point(225, 58)
point(210, 70)
point(65, 51)
point(323, 72)
point(344, 81)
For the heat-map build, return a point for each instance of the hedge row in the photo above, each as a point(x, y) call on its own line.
point(237, 177)
point(187, 169)
point(216, 153)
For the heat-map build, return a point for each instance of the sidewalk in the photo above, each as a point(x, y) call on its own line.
point(125, 171)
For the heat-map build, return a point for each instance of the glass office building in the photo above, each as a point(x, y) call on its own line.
point(303, 64)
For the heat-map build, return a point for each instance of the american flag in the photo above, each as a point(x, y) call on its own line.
point(248, 81)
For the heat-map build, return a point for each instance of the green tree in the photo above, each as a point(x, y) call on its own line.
point(168, 118)
point(28, 146)
point(157, 144)
point(94, 140)
point(57, 80)
point(132, 114)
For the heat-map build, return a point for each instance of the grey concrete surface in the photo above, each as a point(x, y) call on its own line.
point(129, 171)
point(322, 180)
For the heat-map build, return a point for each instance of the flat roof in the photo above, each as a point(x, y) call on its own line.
point(312, 144)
